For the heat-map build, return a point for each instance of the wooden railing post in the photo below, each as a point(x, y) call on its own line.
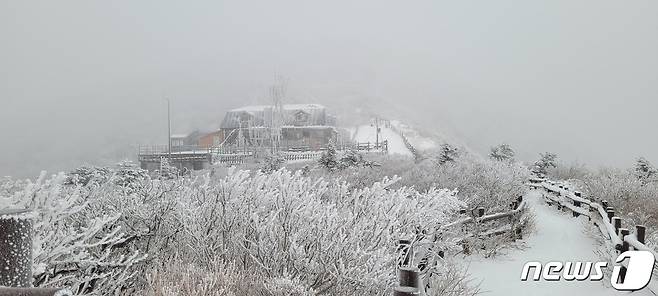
point(16, 248)
point(616, 221)
point(611, 213)
point(410, 283)
point(624, 247)
point(405, 291)
point(640, 232)
point(409, 277)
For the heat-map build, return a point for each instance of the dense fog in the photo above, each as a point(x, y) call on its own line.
point(86, 81)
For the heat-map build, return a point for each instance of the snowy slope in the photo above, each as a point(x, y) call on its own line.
point(558, 237)
point(367, 133)
point(419, 142)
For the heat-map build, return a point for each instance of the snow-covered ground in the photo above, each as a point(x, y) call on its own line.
point(367, 133)
point(558, 237)
point(419, 142)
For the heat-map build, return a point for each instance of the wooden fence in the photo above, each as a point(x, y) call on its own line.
point(413, 278)
point(236, 157)
point(417, 155)
point(601, 214)
point(16, 256)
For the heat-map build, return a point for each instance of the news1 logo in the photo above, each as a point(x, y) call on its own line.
point(636, 276)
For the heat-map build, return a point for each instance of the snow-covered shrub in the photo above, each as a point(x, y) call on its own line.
point(480, 182)
point(323, 235)
point(87, 174)
point(129, 176)
point(166, 171)
point(289, 231)
point(71, 246)
point(635, 201)
point(452, 279)
point(352, 158)
point(272, 162)
point(569, 172)
point(374, 169)
point(183, 278)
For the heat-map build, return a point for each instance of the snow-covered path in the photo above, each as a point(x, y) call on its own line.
point(367, 133)
point(558, 237)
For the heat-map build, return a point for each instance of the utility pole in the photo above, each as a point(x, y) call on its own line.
point(168, 128)
point(377, 132)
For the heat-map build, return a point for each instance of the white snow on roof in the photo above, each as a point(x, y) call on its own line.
point(256, 108)
point(251, 108)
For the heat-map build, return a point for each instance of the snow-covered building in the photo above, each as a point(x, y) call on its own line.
point(185, 140)
point(304, 126)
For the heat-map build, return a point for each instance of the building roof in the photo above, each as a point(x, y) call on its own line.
point(262, 115)
point(261, 108)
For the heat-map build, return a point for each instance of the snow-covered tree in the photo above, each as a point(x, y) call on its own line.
point(546, 161)
point(447, 153)
point(644, 170)
point(502, 152)
point(329, 158)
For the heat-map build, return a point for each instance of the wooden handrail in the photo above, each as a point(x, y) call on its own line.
point(602, 213)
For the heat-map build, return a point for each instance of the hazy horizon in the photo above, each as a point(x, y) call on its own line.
point(83, 82)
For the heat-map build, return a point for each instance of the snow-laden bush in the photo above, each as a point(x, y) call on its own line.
point(272, 162)
point(73, 246)
point(634, 199)
point(290, 231)
point(324, 235)
point(181, 278)
point(479, 182)
point(87, 174)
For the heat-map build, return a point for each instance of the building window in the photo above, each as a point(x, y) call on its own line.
point(301, 117)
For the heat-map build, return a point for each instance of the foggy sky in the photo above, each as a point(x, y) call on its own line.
point(85, 81)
